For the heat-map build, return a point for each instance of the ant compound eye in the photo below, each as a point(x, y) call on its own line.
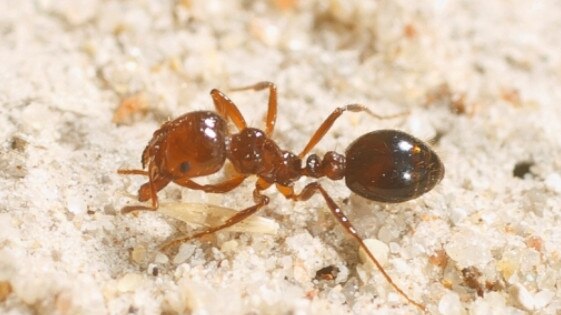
point(184, 167)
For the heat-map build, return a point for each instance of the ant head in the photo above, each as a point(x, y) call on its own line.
point(193, 145)
point(391, 166)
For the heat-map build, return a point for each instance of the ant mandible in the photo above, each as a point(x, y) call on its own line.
point(386, 165)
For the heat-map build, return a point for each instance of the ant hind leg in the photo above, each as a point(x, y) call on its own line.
point(308, 191)
point(330, 120)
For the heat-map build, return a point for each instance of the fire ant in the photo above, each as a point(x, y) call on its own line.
point(386, 165)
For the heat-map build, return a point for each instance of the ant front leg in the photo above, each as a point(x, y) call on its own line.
point(147, 191)
point(132, 172)
point(328, 123)
point(217, 188)
point(261, 201)
point(308, 191)
point(271, 118)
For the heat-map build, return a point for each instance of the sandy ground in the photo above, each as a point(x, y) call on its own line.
point(83, 84)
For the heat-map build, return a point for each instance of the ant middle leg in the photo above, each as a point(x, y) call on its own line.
point(271, 118)
point(260, 201)
point(307, 192)
point(328, 123)
point(227, 109)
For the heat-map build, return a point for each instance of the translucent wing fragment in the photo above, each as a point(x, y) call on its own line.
point(211, 215)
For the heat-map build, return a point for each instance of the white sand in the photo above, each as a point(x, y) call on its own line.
point(67, 65)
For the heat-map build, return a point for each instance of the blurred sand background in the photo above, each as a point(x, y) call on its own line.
point(83, 84)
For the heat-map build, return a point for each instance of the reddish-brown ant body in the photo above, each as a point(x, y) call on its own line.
point(386, 165)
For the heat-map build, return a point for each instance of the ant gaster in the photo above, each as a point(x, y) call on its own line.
point(386, 165)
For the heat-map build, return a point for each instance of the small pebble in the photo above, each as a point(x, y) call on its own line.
point(31, 289)
point(5, 290)
point(491, 303)
point(464, 243)
point(161, 259)
point(507, 267)
point(138, 254)
point(542, 299)
point(129, 282)
point(450, 304)
point(185, 251)
point(229, 246)
point(388, 233)
point(300, 274)
point(553, 182)
point(76, 205)
point(394, 247)
point(63, 303)
point(457, 214)
point(523, 297)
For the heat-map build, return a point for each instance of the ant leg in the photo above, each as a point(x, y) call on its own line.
point(327, 123)
point(132, 172)
point(261, 201)
point(145, 191)
point(271, 117)
point(227, 109)
point(308, 191)
point(221, 187)
point(151, 188)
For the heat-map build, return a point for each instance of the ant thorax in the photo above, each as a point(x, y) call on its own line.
point(252, 152)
